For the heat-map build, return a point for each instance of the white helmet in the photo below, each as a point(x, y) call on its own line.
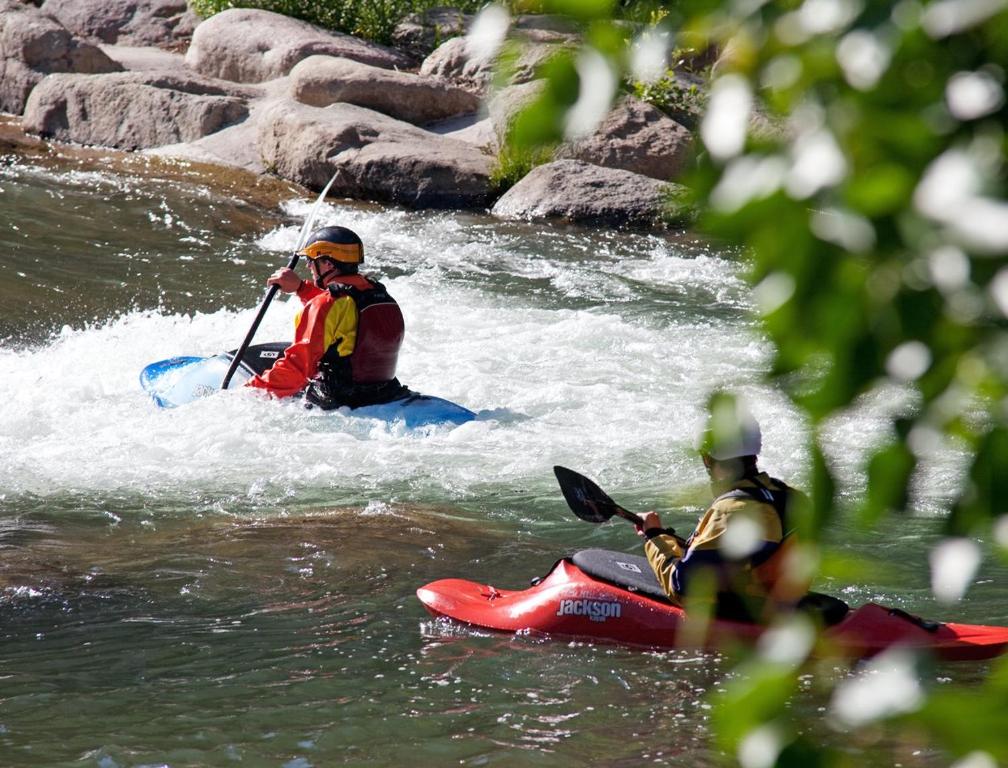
point(731, 430)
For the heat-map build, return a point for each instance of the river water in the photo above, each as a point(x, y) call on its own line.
point(233, 581)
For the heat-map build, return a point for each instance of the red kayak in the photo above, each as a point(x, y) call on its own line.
point(613, 597)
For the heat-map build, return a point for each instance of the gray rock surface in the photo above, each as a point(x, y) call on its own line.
point(544, 28)
point(637, 137)
point(323, 80)
point(163, 23)
point(575, 191)
point(131, 110)
point(31, 46)
point(234, 145)
point(135, 58)
point(419, 34)
point(457, 62)
point(506, 103)
point(334, 111)
point(252, 46)
point(379, 158)
point(473, 129)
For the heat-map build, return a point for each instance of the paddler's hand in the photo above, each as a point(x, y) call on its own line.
point(285, 279)
point(649, 521)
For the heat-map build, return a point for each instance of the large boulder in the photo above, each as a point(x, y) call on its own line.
point(164, 23)
point(31, 46)
point(251, 46)
point(635, 136)
point(457, 62)
point(324, 80)
point(575, 191)
point(130, 110)
point(378, 157)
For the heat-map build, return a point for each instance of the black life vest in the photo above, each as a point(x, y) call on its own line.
point(366, 375)
point(738, 607)
point(779, 498)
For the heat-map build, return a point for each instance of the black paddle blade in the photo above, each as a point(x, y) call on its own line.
point(586, 500)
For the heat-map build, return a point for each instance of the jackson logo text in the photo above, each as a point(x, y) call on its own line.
point(596, 610)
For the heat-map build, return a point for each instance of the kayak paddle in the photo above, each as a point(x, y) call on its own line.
point(591, 503)
point(305, 229)
point(587, 500)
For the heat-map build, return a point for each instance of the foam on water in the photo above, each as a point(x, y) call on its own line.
point(583, 372)
point(594, 351)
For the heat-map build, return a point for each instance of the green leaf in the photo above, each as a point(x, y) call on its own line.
point(758, 695)
point(822, 495)
point(541, 123)
point(880, 189)
point(988, 485)
point(889, 472)
point(967, 720)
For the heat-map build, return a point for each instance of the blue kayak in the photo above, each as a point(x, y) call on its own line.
point(180, 380)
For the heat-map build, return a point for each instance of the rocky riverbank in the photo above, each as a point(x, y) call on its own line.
point(418, 124)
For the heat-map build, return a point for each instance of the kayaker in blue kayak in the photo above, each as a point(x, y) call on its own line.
point(348, 334)
point(738, 547)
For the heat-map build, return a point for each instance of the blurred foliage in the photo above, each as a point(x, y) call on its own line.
point(874, 214)
point(370, 19)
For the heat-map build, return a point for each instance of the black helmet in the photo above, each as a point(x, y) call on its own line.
point(336, 243)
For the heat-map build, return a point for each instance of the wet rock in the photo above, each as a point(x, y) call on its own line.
point(31, 46)
point(323, 80)
point(131, 110)
point(637, 137)
point(164, 23)
point(576, 191)
point(251, 46)
point(379, 157)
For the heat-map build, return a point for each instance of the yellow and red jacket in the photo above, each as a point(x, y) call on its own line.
point(755, 576)
point(353, 320)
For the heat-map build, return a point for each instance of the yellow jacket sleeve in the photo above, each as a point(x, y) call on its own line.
point(663, 553)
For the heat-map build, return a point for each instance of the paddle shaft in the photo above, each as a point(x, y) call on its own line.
point(305, 229)
point(626, 514)
point(236, 360)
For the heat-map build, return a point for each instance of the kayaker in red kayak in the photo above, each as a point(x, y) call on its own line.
point(738, 546)
point(348, 334)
